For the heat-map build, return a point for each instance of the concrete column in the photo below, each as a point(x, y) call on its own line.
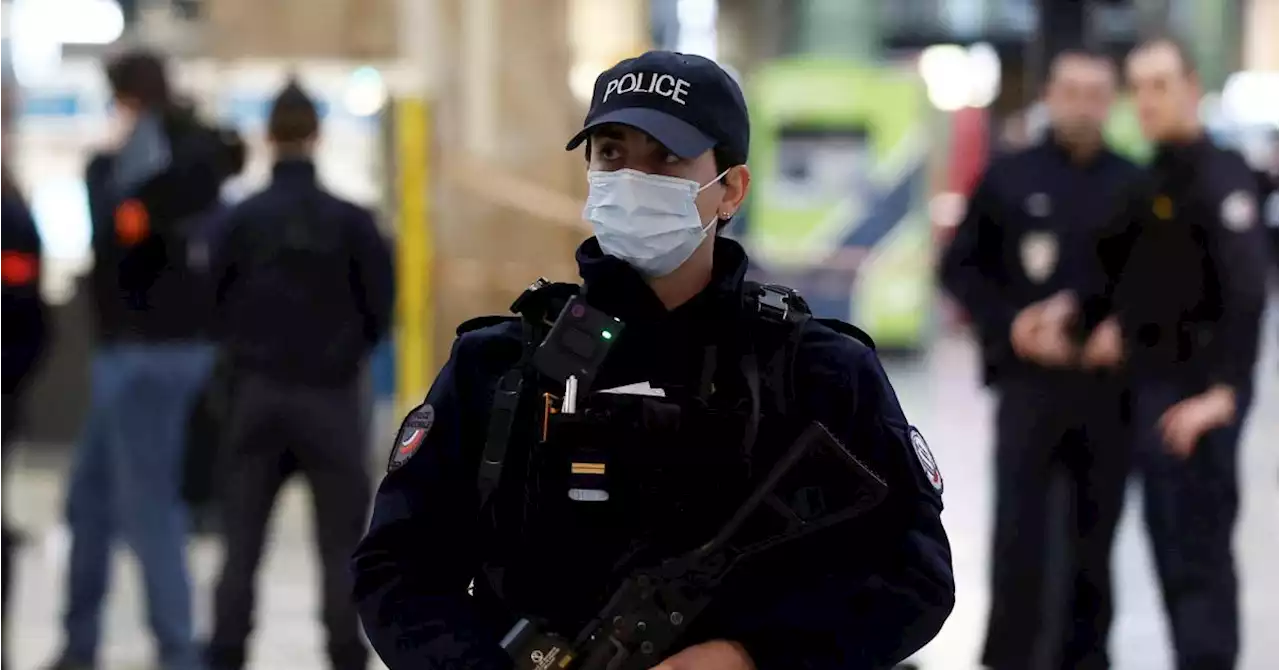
point(356, 29)
point(1261, 34)
point(508, 196)
point(601, 33)
point(838, 28)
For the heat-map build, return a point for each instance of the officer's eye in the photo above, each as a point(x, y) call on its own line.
point(670, 158)
point(608, 152)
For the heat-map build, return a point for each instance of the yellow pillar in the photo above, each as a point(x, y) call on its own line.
point(415, 248)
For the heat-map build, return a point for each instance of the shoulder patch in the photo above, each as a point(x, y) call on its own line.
point(413, 432)
point(925, 456)
point(1239, 211)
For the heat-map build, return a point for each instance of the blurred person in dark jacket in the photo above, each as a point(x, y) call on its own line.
point(1180, 297)
point(152, 309)
point(1027, 239)
point(24, 333)
point(304, 293)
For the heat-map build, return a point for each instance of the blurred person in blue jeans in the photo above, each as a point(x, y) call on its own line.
point(151, 363)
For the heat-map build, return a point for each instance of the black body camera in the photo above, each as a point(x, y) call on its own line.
point(577, 344)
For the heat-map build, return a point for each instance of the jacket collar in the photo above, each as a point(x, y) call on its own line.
point(1181, 154)
point(294, 170)
point(1051, 145)
point(613, 286)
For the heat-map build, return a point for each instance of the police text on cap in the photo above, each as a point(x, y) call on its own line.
point(664, 85)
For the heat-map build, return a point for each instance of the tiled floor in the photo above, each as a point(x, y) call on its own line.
point(939, 395)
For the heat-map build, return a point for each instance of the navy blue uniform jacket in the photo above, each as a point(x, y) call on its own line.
point(1030, 232)
point(873, 596)
point(24, 314)
point(1183, 267)
point(304, 285)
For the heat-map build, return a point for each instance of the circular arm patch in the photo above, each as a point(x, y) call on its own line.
point(413, 432)
point(927, 462)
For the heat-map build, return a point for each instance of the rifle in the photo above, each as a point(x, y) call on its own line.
point(651, 610)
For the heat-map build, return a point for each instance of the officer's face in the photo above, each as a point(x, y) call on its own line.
point(1079, 96)
point(1165, 91)
point(615, 147)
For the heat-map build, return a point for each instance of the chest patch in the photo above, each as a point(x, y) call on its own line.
point(1238, 211)
point(927, 463)
point(1039, 254)
point(413, 432)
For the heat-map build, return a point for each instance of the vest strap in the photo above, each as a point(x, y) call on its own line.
point(537, 307)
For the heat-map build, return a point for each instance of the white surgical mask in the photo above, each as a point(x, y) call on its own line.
point(650, 221)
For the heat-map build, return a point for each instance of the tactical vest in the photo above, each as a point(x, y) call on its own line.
point(572, 501)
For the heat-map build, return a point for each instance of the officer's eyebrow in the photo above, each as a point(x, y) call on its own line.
point(618, 132)
point(609, 133)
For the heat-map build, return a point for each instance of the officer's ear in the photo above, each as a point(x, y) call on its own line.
point(737, 183)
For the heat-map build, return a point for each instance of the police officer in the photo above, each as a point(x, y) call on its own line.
point(1026, 239)
point(666, 140)
point(25, 335)
point(304, 292)
point(1183, 290)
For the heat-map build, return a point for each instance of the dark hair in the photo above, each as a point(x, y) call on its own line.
point(1084, 53)
point(1179, 47)
point(140, 75)
point(723, 161)
point(293, 116)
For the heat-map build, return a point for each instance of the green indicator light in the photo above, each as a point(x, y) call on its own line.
point(606, 335)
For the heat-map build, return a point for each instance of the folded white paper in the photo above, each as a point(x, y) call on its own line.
point(640, 388)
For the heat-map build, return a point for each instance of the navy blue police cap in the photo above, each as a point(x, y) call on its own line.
point(688, 103)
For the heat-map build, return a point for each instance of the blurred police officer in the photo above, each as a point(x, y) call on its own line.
point(151, 360)
point(1028, 237)
point(667, 139)
point(1184, 286)
point(25, 335)
point(304, 292)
